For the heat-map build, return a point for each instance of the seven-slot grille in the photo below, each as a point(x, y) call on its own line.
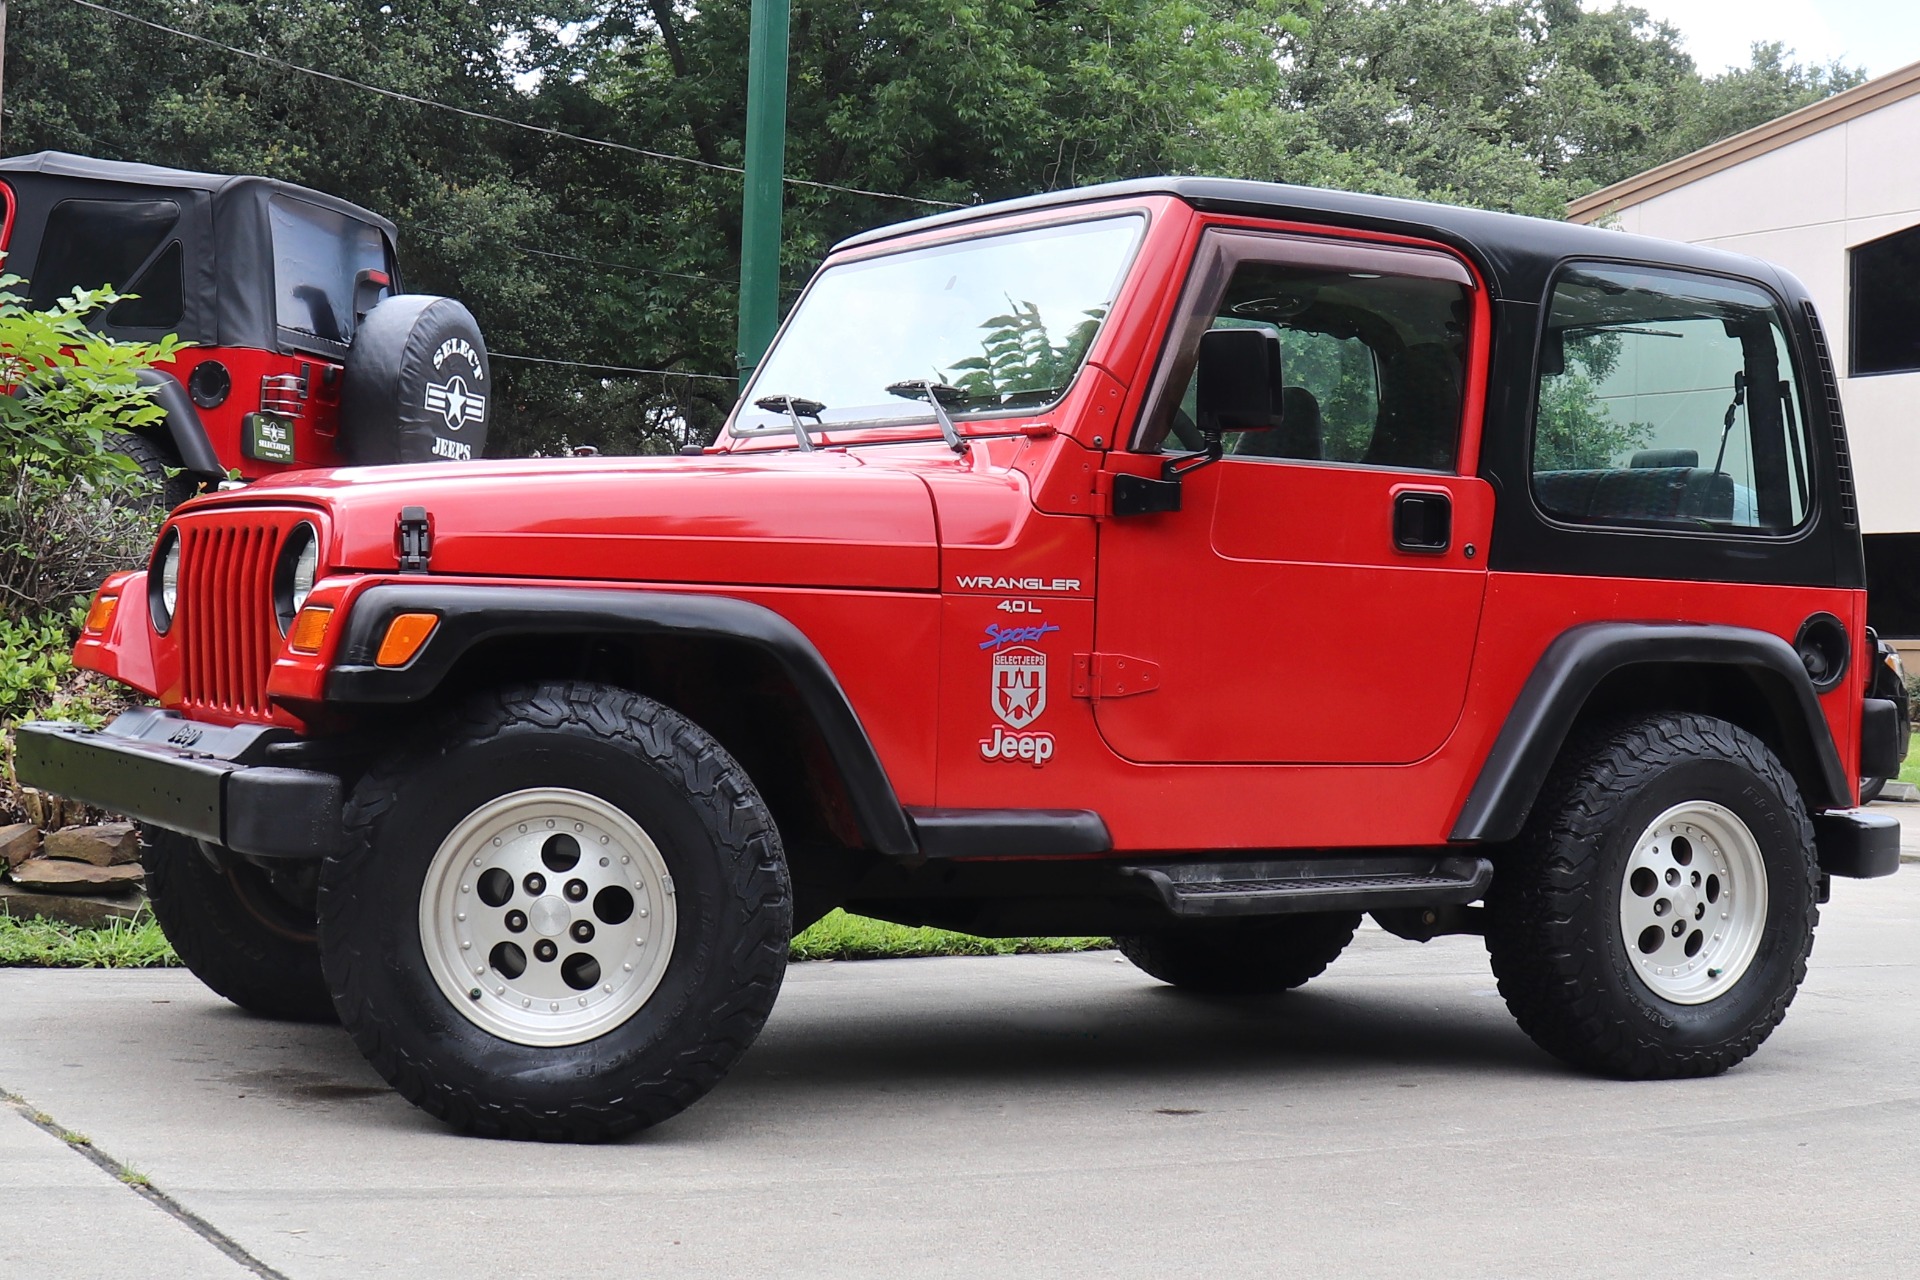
point(225, 615)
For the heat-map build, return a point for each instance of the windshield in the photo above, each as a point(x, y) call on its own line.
point(1003, 320)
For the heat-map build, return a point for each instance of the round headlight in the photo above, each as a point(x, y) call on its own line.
point(163, 581)
point(293, 576)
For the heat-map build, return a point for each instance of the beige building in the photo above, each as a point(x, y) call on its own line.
point(1831, 193)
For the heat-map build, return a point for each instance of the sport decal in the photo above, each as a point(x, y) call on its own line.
point(1019, 685)
point(454, 402)
point(999, 637)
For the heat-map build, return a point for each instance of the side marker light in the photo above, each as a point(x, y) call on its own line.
point(100, 614)
point(310, 629)
point(405, 634)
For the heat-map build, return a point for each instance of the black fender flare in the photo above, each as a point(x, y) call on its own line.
point(182, 425)
point(472, 614)
point(1580, 658)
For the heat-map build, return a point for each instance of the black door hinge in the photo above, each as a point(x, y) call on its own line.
point(413, 539)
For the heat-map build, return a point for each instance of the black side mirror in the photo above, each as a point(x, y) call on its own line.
point(1237, 381)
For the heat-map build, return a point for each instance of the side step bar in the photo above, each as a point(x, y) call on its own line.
point(1196, 890)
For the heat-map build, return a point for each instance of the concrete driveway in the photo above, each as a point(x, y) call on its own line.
point(1027, 1115)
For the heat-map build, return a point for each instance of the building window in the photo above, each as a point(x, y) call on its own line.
point(1886, 304)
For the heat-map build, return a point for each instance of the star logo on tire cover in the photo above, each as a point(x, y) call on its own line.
point(454, 402)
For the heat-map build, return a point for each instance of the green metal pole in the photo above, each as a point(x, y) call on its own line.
point(760, 203)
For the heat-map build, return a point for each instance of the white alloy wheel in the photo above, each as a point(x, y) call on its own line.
point(547, 917)
point(1693, 902)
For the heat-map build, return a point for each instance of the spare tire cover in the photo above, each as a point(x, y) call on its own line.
point(417, 385)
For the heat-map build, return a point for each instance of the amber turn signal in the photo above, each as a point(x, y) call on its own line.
point(405, 634)
point(100, 615)
point(310, 629)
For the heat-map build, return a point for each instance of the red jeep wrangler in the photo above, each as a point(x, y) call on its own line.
point(1051, 577)
point(304, 354)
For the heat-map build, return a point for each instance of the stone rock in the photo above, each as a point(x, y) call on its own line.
point(110, 844)
point(55, 873)
point(18, 843)
point(85, 911)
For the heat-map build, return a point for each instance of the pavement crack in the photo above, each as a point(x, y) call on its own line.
point(140, 1185)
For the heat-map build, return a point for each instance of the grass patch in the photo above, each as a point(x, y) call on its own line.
point(840, 936)
point(139, 944)
point(121, 944)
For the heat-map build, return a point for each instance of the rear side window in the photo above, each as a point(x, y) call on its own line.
point(1669, 400)
point(90, 243)
point(317, 255)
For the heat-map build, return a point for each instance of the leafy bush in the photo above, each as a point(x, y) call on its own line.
point(72, 508)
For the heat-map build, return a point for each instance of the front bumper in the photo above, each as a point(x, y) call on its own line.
point(198, 779)
point(1857, 843)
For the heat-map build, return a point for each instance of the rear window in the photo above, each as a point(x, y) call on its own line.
point(317, 254)
point(1669, 400)
point(126, 244)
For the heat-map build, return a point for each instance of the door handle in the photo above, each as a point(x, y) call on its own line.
point(1422, 521)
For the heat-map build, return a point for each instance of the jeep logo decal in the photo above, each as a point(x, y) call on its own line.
point(1019, 685)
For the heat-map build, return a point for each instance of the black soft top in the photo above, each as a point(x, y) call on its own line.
point(1516, 254)
point(224, 231)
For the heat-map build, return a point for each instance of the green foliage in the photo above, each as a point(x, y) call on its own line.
point(139, 944)
point(839, 936)
point(35, 942)
point(34, 660)
point(1019, 358)
point(71, 387)
point(72, 508)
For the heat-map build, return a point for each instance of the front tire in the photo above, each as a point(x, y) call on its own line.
point(1655, 918)
point(233, 929)
point(1256, 955)
point(562, 916)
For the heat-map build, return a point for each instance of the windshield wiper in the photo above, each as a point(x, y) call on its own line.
point(793, 407)
point(936, 394)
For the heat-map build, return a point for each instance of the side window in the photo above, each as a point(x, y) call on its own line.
point(1668, 400)
point(1373, 356)
point(89, 243)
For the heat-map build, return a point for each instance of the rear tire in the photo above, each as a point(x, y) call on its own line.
point(155, 462)
point(1655, 917)
point(1870, 789)
point(232, 930)
point(1255, 955)
point(578, 1008)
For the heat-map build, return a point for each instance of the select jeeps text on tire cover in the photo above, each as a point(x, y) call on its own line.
point(304, 351)
point(1199, 562)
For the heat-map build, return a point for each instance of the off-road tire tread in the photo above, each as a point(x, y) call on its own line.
point(755, 869)
point(155, 461)
point(1251, 956)
point(221, 942)
point(1551, 980)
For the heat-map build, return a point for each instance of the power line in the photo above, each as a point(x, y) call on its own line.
point(612, 368)
point(664, 156)
point(446, 235)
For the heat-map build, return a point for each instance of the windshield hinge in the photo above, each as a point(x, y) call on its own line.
point(1113, 675)
point(413, 539)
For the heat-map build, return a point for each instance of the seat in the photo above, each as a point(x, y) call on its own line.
point(1297, 436)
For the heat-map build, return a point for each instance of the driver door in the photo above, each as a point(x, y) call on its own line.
point(1317, 596)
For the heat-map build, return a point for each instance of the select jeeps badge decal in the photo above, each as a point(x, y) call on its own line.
point(1018, 696)
point(1019, 685)
point(454, 402)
